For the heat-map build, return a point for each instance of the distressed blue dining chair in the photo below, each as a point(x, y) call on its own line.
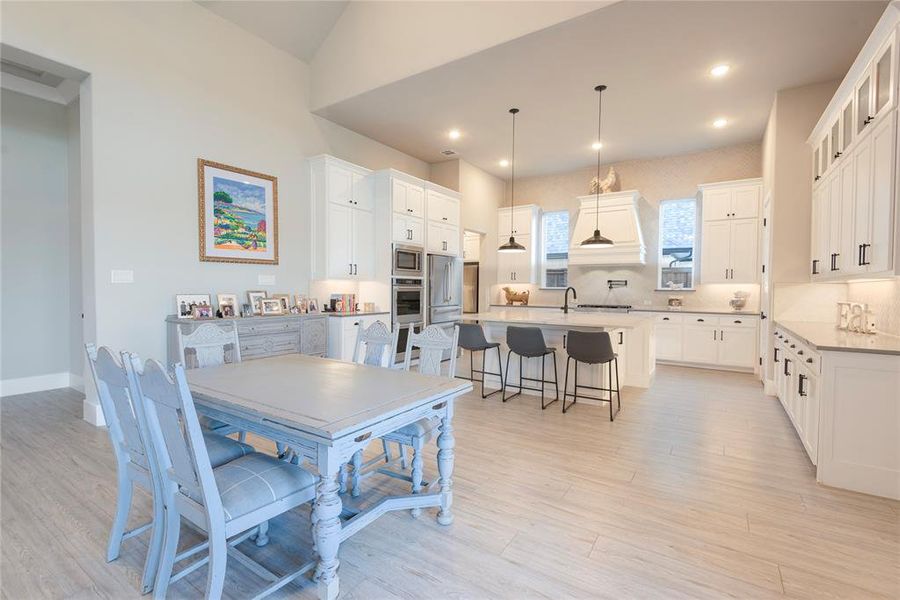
point(229, 503)
point(124, 417)
point(375, 347)
point(433, 344)
point(209, 345)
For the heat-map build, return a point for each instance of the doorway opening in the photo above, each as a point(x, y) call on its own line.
point(471, 271)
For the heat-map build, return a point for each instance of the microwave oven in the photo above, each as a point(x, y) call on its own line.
point(408, 261)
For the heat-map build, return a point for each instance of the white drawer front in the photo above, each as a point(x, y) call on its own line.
point(669, 318)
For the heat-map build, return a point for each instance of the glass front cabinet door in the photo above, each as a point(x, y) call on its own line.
point(864, 103)
point(883, 72)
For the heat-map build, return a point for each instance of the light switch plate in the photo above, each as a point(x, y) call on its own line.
point(121, 276)
point(266, 279)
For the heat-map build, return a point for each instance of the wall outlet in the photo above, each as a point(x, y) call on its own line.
point(121, 276)
point(266, 279)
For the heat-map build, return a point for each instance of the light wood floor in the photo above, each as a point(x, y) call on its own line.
point(699, 489)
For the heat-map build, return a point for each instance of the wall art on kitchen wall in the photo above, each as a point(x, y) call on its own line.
point(238, 214)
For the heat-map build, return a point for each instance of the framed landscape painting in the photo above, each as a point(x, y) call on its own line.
point(238, 214)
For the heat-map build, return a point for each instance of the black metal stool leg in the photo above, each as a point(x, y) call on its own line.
point(618, 392)
point(609, 371)
point(500, 366)
point(555, 376)
point(472, 368)
point(566, 385)
point(543, 406)
point(503, 383)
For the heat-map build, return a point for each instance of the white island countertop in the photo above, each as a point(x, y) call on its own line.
point(579, 320)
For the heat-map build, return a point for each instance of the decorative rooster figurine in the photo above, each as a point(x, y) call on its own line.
point(607, 185)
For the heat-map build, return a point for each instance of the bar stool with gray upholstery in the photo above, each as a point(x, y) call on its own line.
point(592, 348)
point(528, 342)
point(471, 338)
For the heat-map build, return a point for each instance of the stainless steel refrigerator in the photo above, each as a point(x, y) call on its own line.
point(445, 276)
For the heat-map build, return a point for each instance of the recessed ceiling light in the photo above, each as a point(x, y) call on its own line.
point(596, 145)
point(720, 123)
point(504, 163)
point(454, 134)
point(719, 70)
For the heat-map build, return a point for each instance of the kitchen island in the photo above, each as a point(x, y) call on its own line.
point(632, 338)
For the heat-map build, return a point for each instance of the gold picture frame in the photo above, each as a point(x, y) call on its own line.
point(248, 234)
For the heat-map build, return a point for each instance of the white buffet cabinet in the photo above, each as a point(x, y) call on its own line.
point(708, 340)
point(853, 148)
point(844, 404)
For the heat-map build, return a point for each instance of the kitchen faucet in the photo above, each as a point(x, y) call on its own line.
point(565, 306)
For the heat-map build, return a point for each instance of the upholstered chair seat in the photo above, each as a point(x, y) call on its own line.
point(256, 480)
point(224, 449)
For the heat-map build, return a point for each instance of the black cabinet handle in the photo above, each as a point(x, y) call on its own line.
point(738, 321)
point(837, 154)
point(714, 335)
point(763, 316)
point(776, 353)
point(722, 335)
point(700, 320)
point(809, 360)
point(865, 260)
point(817, 178)
point(665, 318)
point(349, 268)
point(621, 338)
point(815, 266)
point(564, 341)
point(802, 378)
point(786, 363)
point(868, 120)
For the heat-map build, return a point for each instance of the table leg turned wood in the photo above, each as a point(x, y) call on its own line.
point(446, 443)
point(326, 516)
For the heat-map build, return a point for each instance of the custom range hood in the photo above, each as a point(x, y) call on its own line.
point(620, 222)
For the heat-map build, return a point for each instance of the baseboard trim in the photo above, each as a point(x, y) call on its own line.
point(38, 383)
point(92, 414)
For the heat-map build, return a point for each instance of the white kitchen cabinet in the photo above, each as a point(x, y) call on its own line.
point(442, 239)
point(521, 221)
point(408, 230)
point(737, 343)
point(731, 199)
point(729, 246)
point(407, 197)
point(729, 251)
point(708, 340)
point(517, 267)
point(342, 224)
point(669, 337)
point(855, 189)
point(442, 207)
point(472, 247)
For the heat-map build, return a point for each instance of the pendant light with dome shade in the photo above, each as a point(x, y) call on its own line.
point(512, 245)
point(597, 240)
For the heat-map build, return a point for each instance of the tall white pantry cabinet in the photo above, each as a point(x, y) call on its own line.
point(729, 247)
point(853, 149)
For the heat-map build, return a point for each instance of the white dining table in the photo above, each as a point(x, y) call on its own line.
point(326, 410)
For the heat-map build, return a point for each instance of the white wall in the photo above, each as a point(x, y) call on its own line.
point(35, 239)
point(171, 82)
point(405, 38)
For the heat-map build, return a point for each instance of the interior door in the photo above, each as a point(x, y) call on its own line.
point(339, 239)
point(715, 248)
point(363, 244)
point(744, 251)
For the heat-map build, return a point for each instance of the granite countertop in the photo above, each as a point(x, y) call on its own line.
point(825, 336)
point(359, 313)
point(599, 320)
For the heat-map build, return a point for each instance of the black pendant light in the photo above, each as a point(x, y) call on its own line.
point(512, 245)
point(597, 240)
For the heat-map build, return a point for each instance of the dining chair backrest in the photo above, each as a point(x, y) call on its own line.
point(120, 409)
point(175, 434)
point(432, 343)
point(375, 345)
point(210, 344)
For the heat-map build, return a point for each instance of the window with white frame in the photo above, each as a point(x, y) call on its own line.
point(555, 249)
point(677, 238)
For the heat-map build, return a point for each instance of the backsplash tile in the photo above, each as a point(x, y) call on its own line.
point(883, 298)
